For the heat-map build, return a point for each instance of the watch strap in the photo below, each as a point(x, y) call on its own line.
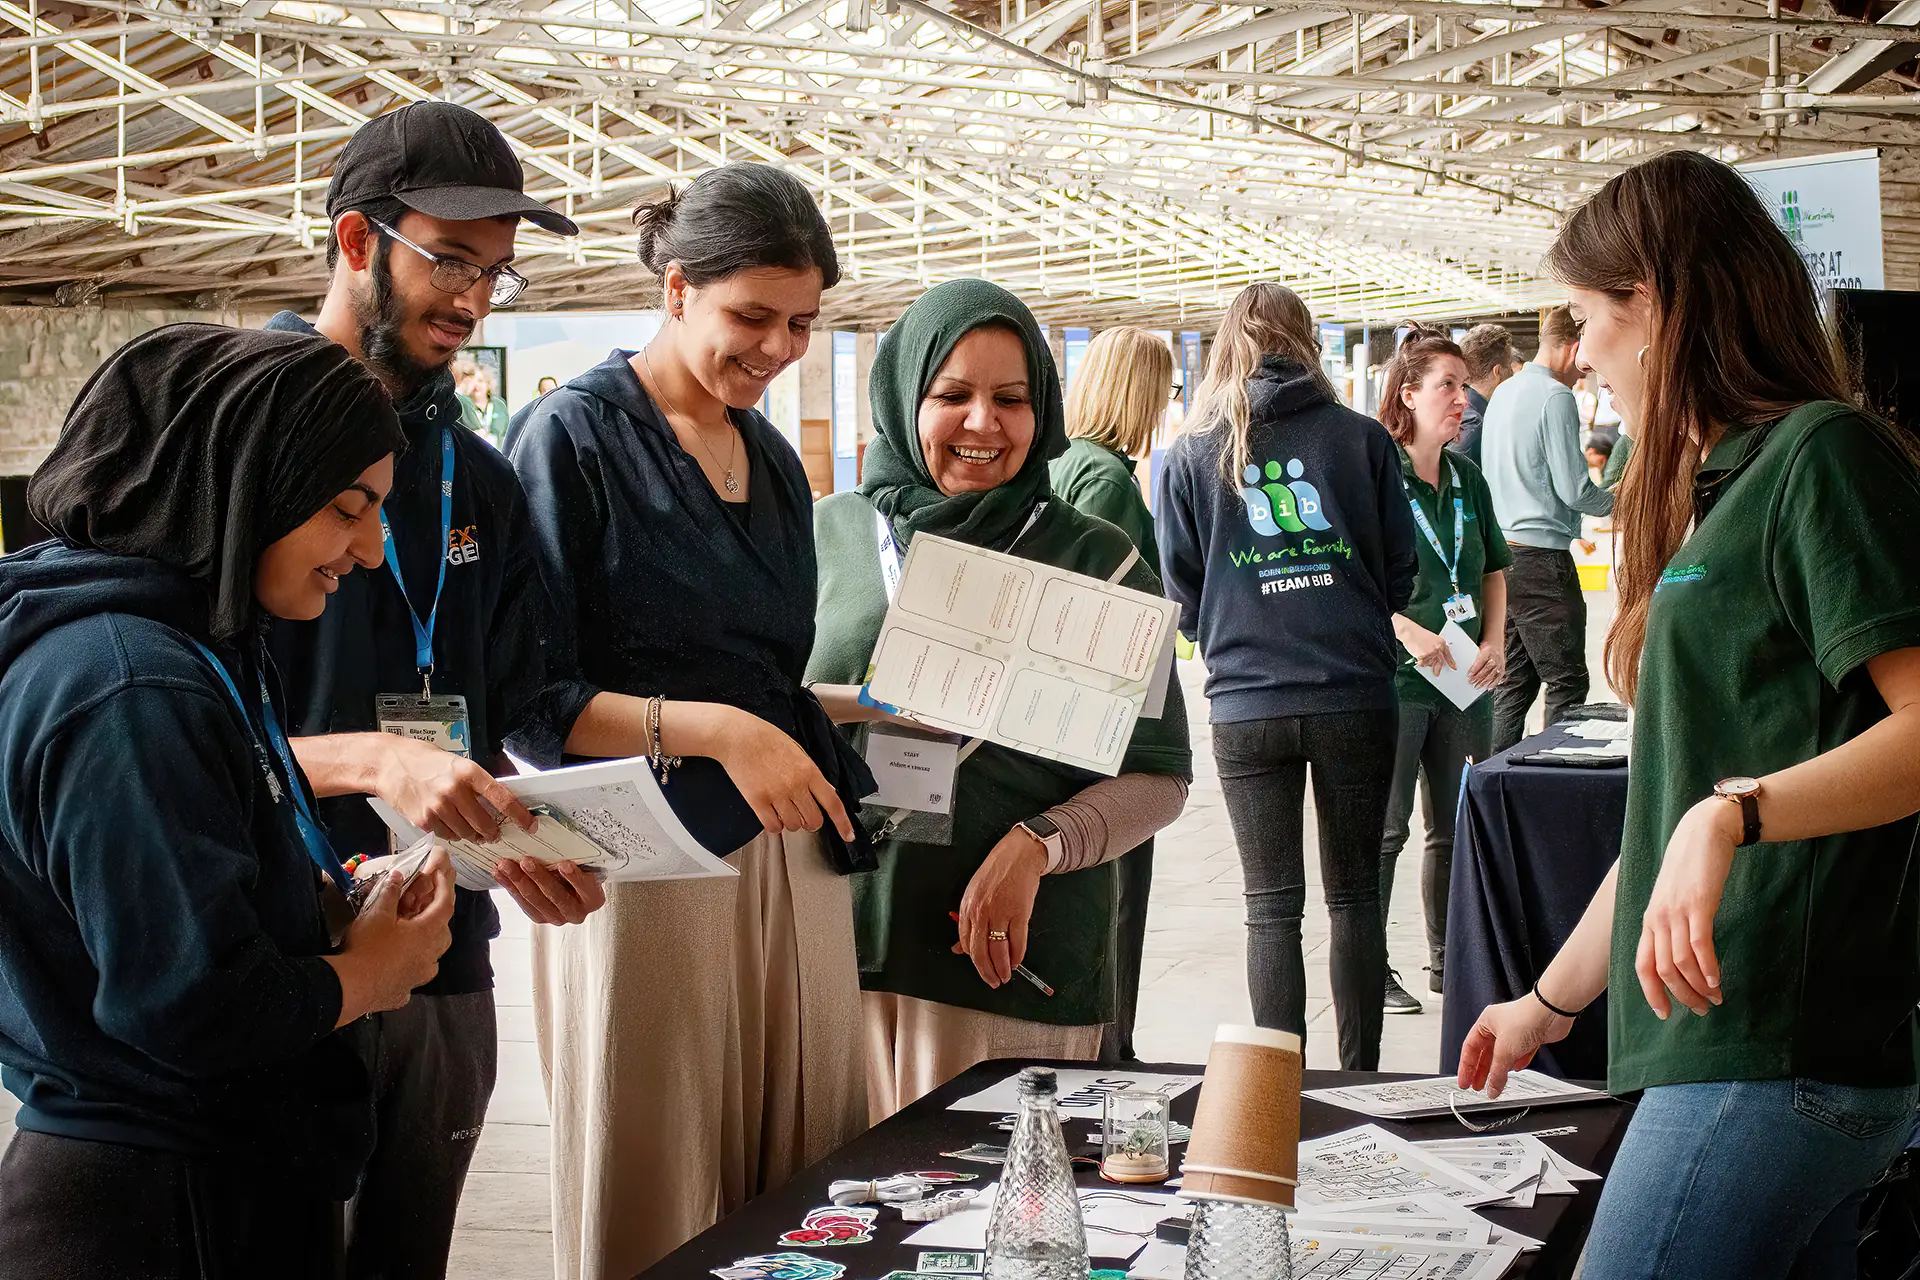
point(1749, 817)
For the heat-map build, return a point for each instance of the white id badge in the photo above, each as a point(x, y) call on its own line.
point(914, 770)
point(439, 721)
point(1460, 608)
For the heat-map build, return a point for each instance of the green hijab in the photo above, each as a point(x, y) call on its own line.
point(896, 480)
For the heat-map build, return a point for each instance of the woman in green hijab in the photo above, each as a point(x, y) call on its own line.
point(967, 415)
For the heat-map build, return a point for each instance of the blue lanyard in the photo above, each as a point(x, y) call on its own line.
point(423, 631)
point(318, 846)
point(1459, 528)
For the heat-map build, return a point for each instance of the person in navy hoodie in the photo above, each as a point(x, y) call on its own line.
point(168, 990)
point(1286, 540)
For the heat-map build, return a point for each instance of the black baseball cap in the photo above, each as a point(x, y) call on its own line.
point(442, 160)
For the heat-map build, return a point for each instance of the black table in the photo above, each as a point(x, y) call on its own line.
point(1532, 844)
point(915, 1138)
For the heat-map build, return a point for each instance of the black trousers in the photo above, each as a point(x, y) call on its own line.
point(1546, 641)
point(1263, 772)
point(74, 1210)
point(1435, 744)
point(433, 1064)
point(1135, 878)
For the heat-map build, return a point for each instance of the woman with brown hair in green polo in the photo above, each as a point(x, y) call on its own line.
point(1756, 937)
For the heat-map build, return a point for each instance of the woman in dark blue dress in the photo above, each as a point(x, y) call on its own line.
point(702, 1036)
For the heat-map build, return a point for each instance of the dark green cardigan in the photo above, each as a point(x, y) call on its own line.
point(900, 910)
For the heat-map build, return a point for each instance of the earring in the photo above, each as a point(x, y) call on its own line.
point(1642, 357)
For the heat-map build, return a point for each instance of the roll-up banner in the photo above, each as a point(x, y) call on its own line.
point(1829, 206)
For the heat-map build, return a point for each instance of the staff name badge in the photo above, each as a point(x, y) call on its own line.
point(440, 721)
point(914, 770)
point(1459, 608)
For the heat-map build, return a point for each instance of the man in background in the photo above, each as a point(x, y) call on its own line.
point(1530, 452)
point(1490, 362)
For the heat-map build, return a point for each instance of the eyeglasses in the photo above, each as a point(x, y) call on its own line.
point(456, 275)
point(1178, 390)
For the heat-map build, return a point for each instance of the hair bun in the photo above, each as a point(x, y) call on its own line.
point(1417, 332)
point(652, 219)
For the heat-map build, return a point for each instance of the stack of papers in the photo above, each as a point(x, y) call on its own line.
point(1369, 1163)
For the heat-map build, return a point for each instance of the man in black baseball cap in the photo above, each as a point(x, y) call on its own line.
point(441, 160)
point(420, 668)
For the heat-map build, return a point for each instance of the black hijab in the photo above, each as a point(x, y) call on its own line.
point(197, 446)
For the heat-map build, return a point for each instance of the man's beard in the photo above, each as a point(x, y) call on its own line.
point(381, 322)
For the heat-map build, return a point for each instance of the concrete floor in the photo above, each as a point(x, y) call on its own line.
point(1194, 979)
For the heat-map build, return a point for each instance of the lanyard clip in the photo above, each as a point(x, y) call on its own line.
point(426, 684)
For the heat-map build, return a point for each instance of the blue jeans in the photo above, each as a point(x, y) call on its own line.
point(1745, 1180)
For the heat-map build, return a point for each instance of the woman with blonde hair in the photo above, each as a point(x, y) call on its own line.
point(1114, 407)
point(1287, 542)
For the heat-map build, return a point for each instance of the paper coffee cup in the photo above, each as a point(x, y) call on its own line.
point(1245, 1147)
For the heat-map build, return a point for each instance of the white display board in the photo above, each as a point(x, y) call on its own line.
point(1829, 206)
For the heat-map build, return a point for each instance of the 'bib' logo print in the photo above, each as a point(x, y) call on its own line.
point(462, 546)
point(1273, 507)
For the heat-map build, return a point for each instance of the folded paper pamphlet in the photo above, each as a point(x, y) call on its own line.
point(1022, 654)
point(608, 817)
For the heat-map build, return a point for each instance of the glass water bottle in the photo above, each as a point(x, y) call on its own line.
point(1036, 1232)
point(1239, 1242)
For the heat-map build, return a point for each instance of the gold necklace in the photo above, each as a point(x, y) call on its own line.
point(730, 480)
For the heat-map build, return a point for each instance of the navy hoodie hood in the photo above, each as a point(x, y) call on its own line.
point(51, 584)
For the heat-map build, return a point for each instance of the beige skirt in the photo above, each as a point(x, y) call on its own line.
point(700, 1043)
point(915, 1046)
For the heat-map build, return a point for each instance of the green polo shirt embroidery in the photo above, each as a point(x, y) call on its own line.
point(1484, 550)
point(1799, 570)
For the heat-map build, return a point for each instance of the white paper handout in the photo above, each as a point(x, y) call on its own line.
point(1119, 1223)
point(608, 817)
point(1082, 1091)
point(1440, 1095)
point(1452, 681)
point(1324, 1255)
point(1369, 1163)
point(1039, 659)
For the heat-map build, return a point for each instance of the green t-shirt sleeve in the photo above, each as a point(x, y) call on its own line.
point(1616, 461)
point(1162, 745)
point(1499, 554)
point(1842, 545)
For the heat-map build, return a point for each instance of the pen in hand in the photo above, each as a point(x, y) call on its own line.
point(1020, 969)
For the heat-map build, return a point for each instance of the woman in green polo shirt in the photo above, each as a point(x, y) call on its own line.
point(967, 415)
point(1463, 558)
point(1757, 938)
point(1116, 403)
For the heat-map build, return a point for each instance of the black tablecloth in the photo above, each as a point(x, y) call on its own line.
point(1532, 844)
point(915, 1138)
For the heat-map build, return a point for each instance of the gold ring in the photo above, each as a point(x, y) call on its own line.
point(996, 935)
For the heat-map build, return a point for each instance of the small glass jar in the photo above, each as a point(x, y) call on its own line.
point(1239, 1242)
point(1135, 1129)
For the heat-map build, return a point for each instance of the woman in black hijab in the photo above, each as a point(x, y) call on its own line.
point(168, 992)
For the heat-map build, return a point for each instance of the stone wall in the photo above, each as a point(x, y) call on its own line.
point(46, 356)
